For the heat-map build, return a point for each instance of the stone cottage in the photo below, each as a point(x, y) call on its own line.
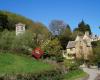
point(81, 47)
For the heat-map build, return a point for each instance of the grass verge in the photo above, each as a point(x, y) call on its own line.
point(13, 64)
point(75, 75)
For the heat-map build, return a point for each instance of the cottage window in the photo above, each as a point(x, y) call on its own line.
point(71, 49)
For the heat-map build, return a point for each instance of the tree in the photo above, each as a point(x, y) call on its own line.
point(99, 27)
point(62, 31)
point(41, 32)
point(57, 27)
point(3, 21)
point(65, 37)
point(96, 51)
point(8, 20)
point(6, 39)
point(24, 42)
point(83, 27)
point(53, 48)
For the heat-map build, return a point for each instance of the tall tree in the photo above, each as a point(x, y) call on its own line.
point(65, 37)
point(83, 27)
point(3, 21)
point(8, 20)
point(96, 51)
point(57, 26)
point(41, 31)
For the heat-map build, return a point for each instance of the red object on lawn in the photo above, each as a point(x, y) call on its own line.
point(37, 53)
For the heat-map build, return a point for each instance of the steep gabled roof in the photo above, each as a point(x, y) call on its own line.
point(71, 44)
point(79, 38)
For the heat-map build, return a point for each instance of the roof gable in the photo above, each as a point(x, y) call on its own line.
point(71, 44)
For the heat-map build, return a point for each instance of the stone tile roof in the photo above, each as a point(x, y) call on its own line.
point(78, 38)
point(71, 44)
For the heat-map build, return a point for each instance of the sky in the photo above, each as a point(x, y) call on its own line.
point(70, 11)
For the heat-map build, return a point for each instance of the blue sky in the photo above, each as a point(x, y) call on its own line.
point(70, 11)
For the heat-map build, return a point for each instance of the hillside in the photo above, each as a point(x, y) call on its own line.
point(8, 20)
point(13, 64)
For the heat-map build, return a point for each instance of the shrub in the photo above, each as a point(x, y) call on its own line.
point(76, 75)
point(22, 43)
point(6, 40)
point(53, 48)
point(46, 75)
point(71, 64)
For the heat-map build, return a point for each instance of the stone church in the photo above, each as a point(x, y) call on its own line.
point(81, 47)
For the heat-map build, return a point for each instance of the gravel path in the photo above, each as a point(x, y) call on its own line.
point(98, 77)
point(93, 73)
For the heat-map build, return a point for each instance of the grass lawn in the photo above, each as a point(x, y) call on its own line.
point(13, 64)
point(74, 75)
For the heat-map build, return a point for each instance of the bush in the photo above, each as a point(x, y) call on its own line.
point(21, 43)
point(6, 40)
point(53, 48)
point(71, 65)
point(46, 75)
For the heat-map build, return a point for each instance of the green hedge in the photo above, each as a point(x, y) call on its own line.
point(48, 75)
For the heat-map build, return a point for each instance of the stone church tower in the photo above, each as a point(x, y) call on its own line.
point(20, 28)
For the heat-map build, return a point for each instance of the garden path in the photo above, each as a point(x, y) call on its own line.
point(93, 72)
